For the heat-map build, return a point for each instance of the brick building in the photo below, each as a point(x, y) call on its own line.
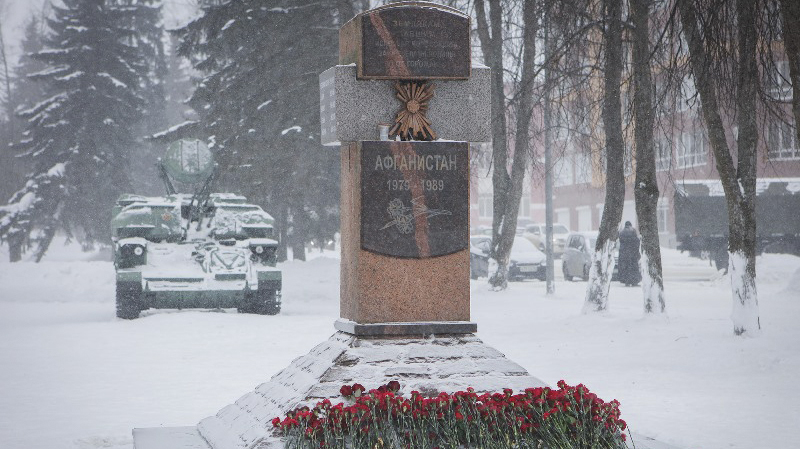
point(683, 156)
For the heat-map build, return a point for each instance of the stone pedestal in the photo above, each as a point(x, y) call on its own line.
point(429, 365)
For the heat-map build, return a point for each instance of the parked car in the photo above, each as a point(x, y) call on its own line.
point(536, 234)
point(481, 230)
point(526, 262)
point(479, 249)
point(577, 257)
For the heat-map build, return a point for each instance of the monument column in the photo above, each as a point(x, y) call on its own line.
point(405, 72)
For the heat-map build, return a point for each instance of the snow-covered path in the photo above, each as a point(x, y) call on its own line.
point(73, 376)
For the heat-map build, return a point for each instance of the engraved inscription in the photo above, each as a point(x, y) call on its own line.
point(414, 198)
point(415, 43)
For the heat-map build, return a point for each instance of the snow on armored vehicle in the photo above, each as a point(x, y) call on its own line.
point(209, 250)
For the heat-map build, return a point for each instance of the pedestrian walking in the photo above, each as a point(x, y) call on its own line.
point(629, 273)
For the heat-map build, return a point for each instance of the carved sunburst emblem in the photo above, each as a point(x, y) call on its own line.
point(411, 122)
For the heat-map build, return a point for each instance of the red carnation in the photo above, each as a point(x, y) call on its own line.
point(346, 391)
point(358, 389)
point(393, 385)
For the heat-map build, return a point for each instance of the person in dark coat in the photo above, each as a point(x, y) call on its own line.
point(629, 256)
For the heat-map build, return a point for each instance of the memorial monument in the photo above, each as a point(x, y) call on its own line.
point(404, 103)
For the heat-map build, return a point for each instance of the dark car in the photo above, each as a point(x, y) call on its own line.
point(526, 261)
point(479, 249)
point(577, 257)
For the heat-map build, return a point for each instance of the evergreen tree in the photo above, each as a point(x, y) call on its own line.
point(28, 92)
point(146, 20)
point(6, 117)
point(25, 94)
point(258, 106)
point(78, 137)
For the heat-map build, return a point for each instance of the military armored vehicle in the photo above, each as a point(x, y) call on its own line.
point(199, 250)
point(701, 218)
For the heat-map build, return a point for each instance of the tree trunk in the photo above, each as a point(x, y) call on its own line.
point(739, 187)
point(646, 189)
point(521, 158)
point(790, 11)
point(490, 35)
point(299, 250)
point(507, 188)
point(603, 257)
point(15, 242)
point(281, 222)
point(743, 245)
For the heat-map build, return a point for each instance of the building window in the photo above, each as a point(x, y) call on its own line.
point(687, 94)
point(563, 172)
point(693, 149)
point(628, 159)
point(779, 86)
point(562, 126)
point(782, 141)
point(524, 206)
point(663, 153)
point(583, 168)
point(485, 205)
point(662, 212)
point(563, 217)
point(584, 218)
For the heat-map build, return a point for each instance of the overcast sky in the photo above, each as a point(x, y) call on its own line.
point(14, 14)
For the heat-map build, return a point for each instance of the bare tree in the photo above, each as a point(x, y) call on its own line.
point(507, 186)
point(707, 44)
point(646, 187)
point(603, 256)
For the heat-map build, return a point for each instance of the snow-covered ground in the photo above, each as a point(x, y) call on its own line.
point(74, 376)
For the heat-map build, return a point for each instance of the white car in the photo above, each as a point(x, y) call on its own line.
point(577, 257)
point(525, 261)
point(536, 234)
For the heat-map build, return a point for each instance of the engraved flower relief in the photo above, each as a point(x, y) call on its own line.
point(411, 122)
point(396, 208)
point(405, 224)
point(403, 216)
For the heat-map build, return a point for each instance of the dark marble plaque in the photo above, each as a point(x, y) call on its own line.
point(409, 40)
point(414, 198)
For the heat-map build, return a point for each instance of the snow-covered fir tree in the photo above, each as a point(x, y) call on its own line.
point(78, 139)
point(258, 106)
point(26, 93)
point(149, 39)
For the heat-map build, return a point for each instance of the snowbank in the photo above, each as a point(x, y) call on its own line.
point(75, 377)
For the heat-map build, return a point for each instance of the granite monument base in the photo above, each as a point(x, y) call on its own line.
point(430, 365)
point(427, 364)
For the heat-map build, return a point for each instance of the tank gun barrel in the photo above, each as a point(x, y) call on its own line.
point(198, 206)
point(162, 173)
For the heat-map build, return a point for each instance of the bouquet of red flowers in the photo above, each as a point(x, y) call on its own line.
point(568, 417)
